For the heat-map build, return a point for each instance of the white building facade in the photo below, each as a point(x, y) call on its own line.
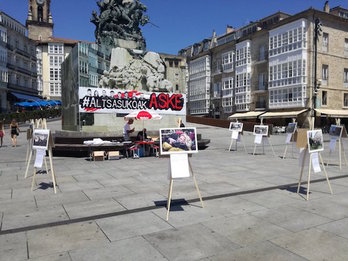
point(288, 65)
point(199, 85)
point(3, 68)
point(243, 75)
point(227, 85)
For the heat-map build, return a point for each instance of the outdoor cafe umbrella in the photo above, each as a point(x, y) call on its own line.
point(24, 104)
point(143, 115)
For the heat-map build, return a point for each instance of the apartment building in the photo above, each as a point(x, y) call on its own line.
point(268, 66)
point(50, 51)
point(176, 71)
point(3, 68)
point(17, 63)
point(50, 55)
point(199, 70)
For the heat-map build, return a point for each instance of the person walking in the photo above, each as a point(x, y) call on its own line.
point(2, 132)
point(14, 132)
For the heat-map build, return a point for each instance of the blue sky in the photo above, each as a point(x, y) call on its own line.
point(179, 23)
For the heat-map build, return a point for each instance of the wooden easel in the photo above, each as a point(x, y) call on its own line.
point(29, 140)
point(38, 123)
point(54, 181)
point(340, 148)
point(43, 124)
point(309, 171)
point(292, 140)
point(186, 169)
point(264, 139)
point(233, 140)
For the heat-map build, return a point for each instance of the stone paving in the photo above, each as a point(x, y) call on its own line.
point(114, 210)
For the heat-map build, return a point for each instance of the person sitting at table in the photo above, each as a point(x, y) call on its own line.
point(141, 135)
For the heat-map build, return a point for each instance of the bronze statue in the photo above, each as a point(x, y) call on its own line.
point(120, 19)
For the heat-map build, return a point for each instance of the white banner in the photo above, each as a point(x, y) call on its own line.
point(102, 100)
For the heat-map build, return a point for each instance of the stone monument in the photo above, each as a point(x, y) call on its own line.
point(132, 68)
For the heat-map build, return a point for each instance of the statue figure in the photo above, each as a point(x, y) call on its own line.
point(120, 19)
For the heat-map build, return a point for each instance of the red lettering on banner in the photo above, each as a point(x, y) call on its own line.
point(153, 101)
point(162, 101)
point(178, 103)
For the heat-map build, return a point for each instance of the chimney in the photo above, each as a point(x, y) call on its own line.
point(229, 29)
point(327, 7)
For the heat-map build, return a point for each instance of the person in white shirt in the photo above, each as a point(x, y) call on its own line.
point(127, 130)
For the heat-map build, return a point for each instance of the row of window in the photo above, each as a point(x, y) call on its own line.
point(55, 88)
point(243, 107)
point(21, 62)
point(56, 60)
point(12, 24)
point(227, 60)
point(3, 55)
point(287, 96)
point(243, 80)
point(3, 76)
point(198, 107)
point(55, 74)
point(226, 102)
point(93, 80)
point(55, 48)
point(288, 73)
point(243, 56)
point(199, 65)
point(291, 40)
point(324, 99)
point(242, 99)
point(199, 88)
point(20, 80)
point(227, 83)
point(83, 67)
point(3, 35)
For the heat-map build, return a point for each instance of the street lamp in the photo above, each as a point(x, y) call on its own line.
point(316, 85)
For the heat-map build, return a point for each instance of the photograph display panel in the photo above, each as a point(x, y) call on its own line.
point(236, 126)
point(291, 127)
point(40, 139)
point(336, 131)
point(178, 140)
point(315, 140)
point(261, 129)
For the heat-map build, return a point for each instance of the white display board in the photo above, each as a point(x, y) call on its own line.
point(179, 166)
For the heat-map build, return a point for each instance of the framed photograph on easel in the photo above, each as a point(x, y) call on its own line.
point(315, 141)
point(291, 128)
point(261, 129)
point(40, 139)
point(336, 131)
point(178, 141)
point(236, 126)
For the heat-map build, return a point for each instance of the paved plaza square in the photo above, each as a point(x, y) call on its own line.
point(115, 209)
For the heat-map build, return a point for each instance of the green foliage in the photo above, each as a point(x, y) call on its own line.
point(28, 115)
